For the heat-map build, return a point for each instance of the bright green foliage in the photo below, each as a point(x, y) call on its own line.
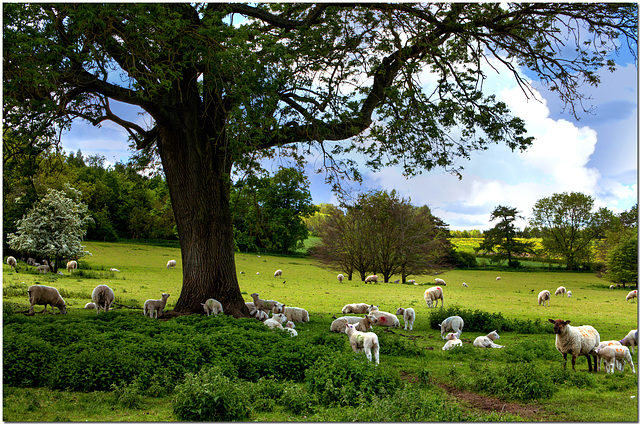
point(622, 261)
point(501, 241)
point(54, 228)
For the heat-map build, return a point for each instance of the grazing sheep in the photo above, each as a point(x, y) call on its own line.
point(498, 278)
point(355, 308)
point(561, 290)
point(11, 261)
point(155, 305)
point(632, 294)
point(464, 285)
point(276, 321)
point(411, 281)
point(290, 327)
point(612, 286)
point(90, 305)
point(103, 297)
point(340, 278)
point(364, 341)
point(452, 341)
point(212, 306)
point(440, 281)
point(409, 316)
point(453, 323)
point(278, 273)
point(434, 293)
point(43, 269)
point(363, 324)
point(45, 295)
point(577, 341)
point(384, 319)
point(488, 340)
point(31, 262)
point(71, 265)
point(630, 340)
point(263, 305)
point(294, 314)
point(611, 354)
point(171, 263)
point(603, 345)
point(371, 279)
point(543, 297)
point(569, 293)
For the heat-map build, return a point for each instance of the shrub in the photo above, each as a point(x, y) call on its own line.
point(521, 382)
point(393, 345)
point(482, 321)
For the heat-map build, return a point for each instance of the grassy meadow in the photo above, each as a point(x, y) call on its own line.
point(143, 275)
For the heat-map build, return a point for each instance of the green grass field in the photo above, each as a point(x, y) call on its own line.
point(143, 275)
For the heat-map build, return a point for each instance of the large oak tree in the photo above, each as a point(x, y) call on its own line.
point(224, 84)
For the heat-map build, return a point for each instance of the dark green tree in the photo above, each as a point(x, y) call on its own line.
point(622, 261)
point(501, 241)
point(226, 84)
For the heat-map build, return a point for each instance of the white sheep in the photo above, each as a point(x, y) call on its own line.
point(464, 285)
point(153, 306)
point(630, 340)
point(45, 295)
point(251, 306)
point(440, 281)
point(383, 319)
point(103, 297)
point(294, 314)
point(603, 345)
point(434, 293)
point(612, 286)
point(569, 293)
point(278, 273)
point(355, 308)
point(488, 340)
point(212, 306)
point(611, 354)
point(561, 290)
point(360, 341)
point(171, 263)
point(371, 279)
point(11, 261)
point(498, 278)
point(340, 278)
point(409, 316)
point(364, 324)
point(632, 295)
point(90, 305)
point(577, 341)
point(259, 315)
point(263, 305)
point(452, 341)
point(276, 321)
point(43, 269)
point(71, 265)
point(278, 308)
point(453, 323)
point(114, 270)
point(543, 297)
point(290, 327)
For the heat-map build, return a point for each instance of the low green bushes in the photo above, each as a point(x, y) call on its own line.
point(480, 321)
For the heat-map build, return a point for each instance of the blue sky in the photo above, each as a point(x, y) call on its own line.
point(596, 155)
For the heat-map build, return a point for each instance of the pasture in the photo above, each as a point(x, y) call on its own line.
point(143, 275)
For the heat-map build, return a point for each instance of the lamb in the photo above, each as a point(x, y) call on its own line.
point(498, 278)
point(569, 293)
point(212, 306)
point(11, 261)
point(45, 295)
point(611, 354)
point(440, 281)
point(290, 327)
point(630, 340)
point(603, 345)
point(171, 263)
point(543, 297)
point(452, 341)
point(464, 285)
point(103, 297)
point(409, 316)
point(278, 273)
point(577, 341)
point(364, 341)
point(371, 279)
point(384, 319)
point(155, 305)
point(260, 315)
point(276, 321)
point(355, 308)
point(363, 324)
point(90, 305)
point(251, 306)
point(71, 265)
point(612, 286)
point(433, 293)
point(114, 270)
point(263, 305)
point(632, 294)
point(43, 269)
point(488, 340)
point(561, 290)
point(453, 323)
point(295, 314)
point(340, 278)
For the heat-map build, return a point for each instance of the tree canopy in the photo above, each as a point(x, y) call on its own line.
point(501, 241)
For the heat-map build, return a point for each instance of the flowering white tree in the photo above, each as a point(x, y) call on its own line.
point(54, 228)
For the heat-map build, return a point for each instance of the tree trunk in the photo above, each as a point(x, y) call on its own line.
point(198, 177)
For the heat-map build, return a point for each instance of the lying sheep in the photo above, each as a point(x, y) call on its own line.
point(278, 273)
point(45, 295)
point(71, 265)
point(632, 295)
point(114, 270)
point(290, 327)
point(212, 306)
point(569, 293)
point(43, 269)
point(577, 341)
point(440, 281)
point(371, 279)
point(263, 305)
point(155, 305)
point(452, 341)
point(355, 308)
point(363, 324)
point(603, 345)
point(383, 319)
point(360, 341)
point(103, 297)
point(453, 323)
point(611, 354)
point(295, 314)
point(488, 340)
point(409, 316)
point(543, 297)
point(250, 305)
point(276, 321)
point(259, 315)
point(340, 278)
point(90, 305)
point(434, 293)
point(561, 290)
point(630, 340)
point(11, 261)
point(171, 263)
